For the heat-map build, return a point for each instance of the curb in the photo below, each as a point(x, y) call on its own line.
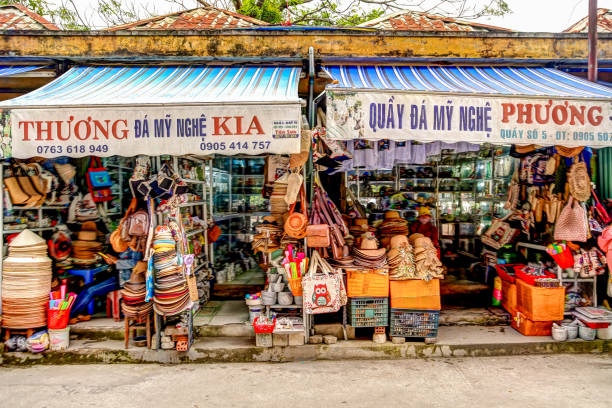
point(112, 353)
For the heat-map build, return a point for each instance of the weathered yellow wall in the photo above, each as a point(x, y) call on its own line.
point(296, 43)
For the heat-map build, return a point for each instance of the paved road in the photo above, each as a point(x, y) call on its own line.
point(536, 381)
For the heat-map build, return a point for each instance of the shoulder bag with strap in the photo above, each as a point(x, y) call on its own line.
point(98, 181)
point(323, 288)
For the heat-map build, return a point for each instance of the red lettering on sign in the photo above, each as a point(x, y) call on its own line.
point(218, 125)
point(26, 130)
point(256, 126)
point(561, 113)
point(508, 110)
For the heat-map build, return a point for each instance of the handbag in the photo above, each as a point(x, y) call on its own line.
point(572, 223)
point(499, 233)
point(600, 210)
point(138, 224)
point(16, 193)
point(296, 223)
point(98, 181)
point(118, 237)
point(323, 288)
point(318, 236)
point(579, 181)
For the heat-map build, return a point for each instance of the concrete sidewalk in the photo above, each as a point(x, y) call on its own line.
point(230, 319)
point(453, 341)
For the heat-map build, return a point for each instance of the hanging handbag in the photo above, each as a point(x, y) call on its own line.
point(33, 171)
point(318, 236)
point(499, 233)
point(600, 210)
point(138, 224)
point(296, 223)
point(579, 181)
point(118, 237)
point(99, 181)
point(572, 223)
point(16, 193)
point(323, 288)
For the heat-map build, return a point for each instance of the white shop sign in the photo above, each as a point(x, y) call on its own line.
point(156, 130)
point(477, 119)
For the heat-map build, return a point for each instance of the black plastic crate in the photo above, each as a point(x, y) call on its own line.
point(414, 323)
point(368, 311)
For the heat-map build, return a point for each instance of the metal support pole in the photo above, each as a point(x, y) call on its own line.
point(592, 75)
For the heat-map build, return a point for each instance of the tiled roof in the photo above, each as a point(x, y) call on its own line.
point(201, 18)
point(419, 21)
point(604, 23)
point(18, 17)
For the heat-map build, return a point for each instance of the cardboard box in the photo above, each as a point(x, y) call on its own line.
point(415, 294)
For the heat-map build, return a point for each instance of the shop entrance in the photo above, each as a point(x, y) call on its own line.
point(461, 186)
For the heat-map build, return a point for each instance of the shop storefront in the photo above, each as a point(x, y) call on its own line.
point(124, 171)
point(421, 173)
point(485, 166)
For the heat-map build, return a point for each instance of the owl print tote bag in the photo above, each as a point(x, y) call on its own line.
point(324, 290)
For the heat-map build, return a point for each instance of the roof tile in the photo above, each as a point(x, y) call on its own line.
point(419, 21)
point(18, 17)
point(604, 23)
point(201, 18)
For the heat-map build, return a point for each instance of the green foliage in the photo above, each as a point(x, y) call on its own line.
point(268, 10)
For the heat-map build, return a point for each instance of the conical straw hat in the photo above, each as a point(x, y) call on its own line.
point(26, 238)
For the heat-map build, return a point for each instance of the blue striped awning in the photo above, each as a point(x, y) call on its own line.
point(167, 85)
point(8, 70)
point(503, 81)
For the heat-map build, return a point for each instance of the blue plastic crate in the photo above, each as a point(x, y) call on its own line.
point(414, 323)
point(368, 311)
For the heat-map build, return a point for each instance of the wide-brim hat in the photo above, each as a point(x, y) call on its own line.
point(360, 222)
point(398, 241)
point(414, 237)
point(371, 253)
point(389, 215)
point(87, 235)
point(368, 242)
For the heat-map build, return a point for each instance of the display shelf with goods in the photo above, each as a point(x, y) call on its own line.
point(120, 170)
point(196, 214)
point(239, 206)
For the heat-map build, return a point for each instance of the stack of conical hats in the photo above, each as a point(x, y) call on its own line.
point(26, 282)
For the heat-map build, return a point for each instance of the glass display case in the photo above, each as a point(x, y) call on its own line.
point(238, 204)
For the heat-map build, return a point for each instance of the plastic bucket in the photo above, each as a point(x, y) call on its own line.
point(59, 339)
point(255, 311)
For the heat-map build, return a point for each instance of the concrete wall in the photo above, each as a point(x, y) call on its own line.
point(295, 43)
